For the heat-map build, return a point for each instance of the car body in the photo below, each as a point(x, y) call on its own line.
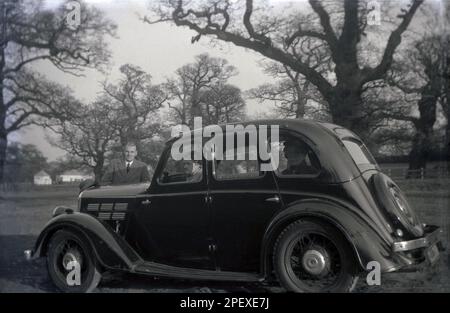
point(235, 227)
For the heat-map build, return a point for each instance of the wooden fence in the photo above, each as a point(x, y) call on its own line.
point(422, 173)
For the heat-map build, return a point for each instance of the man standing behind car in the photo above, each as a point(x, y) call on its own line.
point(128, 171)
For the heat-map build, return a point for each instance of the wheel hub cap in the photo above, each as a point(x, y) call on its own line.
point(315, 262)
point(71, 255)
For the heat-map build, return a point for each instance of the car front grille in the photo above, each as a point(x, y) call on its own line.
point(108, 211)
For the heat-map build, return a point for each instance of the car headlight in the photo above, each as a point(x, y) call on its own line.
point(61, 210)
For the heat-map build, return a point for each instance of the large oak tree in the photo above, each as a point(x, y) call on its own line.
point(135, 101)
point(32, 32)
point(274, 34)
point(420, 76)
point(191, 81)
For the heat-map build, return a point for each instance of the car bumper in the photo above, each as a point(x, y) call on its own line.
point(431, 237)
point(421, 253)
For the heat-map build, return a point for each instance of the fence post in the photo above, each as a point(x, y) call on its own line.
point(421, 173)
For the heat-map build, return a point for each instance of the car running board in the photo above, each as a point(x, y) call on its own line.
point(156, 269)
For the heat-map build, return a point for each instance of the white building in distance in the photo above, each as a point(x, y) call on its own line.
point(71, 176)
point(42, 178)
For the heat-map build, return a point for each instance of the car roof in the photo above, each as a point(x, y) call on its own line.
point(326, 138)
point(299, 125)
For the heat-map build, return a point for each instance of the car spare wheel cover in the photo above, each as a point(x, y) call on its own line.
point(394, 201)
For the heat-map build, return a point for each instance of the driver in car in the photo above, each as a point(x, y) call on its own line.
point(193, 170)
point(295, 152)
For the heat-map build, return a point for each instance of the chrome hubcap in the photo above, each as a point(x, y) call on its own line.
point(315, 262)
point(72, 255)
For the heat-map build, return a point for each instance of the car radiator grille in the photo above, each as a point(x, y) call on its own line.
point(108, 211)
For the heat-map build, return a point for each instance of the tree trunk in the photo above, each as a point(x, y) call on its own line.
point(418, 156)
point(446, 108)
point(3, 145)
point(196, 111)
point(3, 137)
point(447, 141)
point(98, 172)
point(301, 101)
point(346, 109)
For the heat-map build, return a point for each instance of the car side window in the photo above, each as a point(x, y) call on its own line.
point(181, 171)
point(296, 157)
point(244, 165)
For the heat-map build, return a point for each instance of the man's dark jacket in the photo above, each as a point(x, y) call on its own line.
point(116, 173)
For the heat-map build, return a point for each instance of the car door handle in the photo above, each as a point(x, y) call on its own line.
point(146, 202)
point(273, 199)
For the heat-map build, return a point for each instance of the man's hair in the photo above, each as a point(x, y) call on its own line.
point(129, 144)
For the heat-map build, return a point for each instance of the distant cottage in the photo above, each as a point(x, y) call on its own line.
point(42, 178)
point(71, 176)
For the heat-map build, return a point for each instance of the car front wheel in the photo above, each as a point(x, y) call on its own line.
point(314, 257)
point(71, 263)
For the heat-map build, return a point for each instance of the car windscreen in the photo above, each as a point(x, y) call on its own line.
point(360, 154)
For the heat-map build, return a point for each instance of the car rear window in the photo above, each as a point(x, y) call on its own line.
point(360, 154)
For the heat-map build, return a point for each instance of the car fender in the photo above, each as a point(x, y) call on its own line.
point(367, 244)
point(110, 249)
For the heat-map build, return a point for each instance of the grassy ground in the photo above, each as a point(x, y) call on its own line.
point(24, 213)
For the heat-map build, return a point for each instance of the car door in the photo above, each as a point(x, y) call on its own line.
point(243, 200)
point(175, 214)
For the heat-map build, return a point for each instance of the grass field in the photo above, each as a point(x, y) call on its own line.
point(23, 215)
point(26, 212)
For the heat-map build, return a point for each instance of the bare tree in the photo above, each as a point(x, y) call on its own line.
point(420, 75)
point(290, 93)
point(339, 28)
point(445, 46)
point(222, 104)
point(445, 100)
point(23, 162)
point(90, 135)
point(136, 102)
point(28, 33)
point(191, 80)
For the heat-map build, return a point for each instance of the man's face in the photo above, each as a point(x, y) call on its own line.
point(187, 167)
point(294, 153)
point(130, 153)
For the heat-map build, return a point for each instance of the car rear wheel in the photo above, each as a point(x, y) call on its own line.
point(71, 263)
point(314, 257)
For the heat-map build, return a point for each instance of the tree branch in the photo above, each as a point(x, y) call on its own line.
point(393, 42)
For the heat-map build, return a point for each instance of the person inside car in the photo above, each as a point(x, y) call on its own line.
point(296, 153)
point(193, 170)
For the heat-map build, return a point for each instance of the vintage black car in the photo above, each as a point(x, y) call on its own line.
point(312, 226)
